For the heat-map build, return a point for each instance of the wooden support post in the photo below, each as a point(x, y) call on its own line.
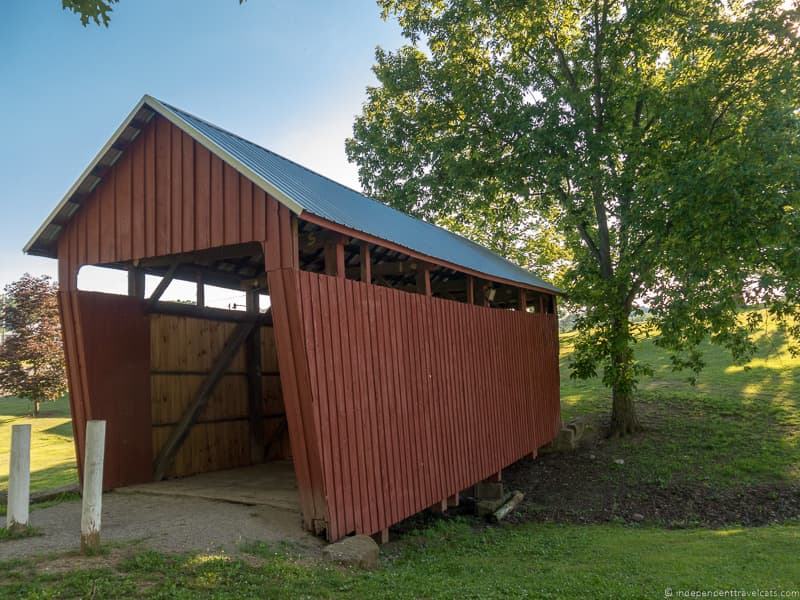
point(136, 282)
point(254, 384)
point(163, 284)
point(424, 279)
point(522, 301)
point(201, 290)
point(334, 257)
point(366, 263)
point(495, 477)
point(533, 455)
point(440, 507)
point(382, 537)
point(480, 294)
point(19, 479)
point(453, 500)
point(541, 303)
point(170, 448)
point(92, 507)
point(470, 289)
point(487, 294)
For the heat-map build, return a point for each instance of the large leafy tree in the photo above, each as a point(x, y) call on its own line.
point(650, 146)
point(32, 359)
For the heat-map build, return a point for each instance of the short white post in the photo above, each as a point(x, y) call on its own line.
point(19, 478)
point(92, 485)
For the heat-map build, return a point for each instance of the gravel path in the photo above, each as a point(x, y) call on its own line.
point(172, 524)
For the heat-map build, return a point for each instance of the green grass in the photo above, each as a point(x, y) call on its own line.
point(29, 531)
point(453, 560)
point(52, 450)
point(737, 425)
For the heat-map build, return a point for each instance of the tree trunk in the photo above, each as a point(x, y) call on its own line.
point(36, 406)
point(623, 382)
point(623, 414)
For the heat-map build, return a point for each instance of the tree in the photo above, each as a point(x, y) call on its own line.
point(655, 144)
point(96, 11)
point(31, 359)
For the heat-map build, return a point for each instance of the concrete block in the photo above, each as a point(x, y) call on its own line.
point(488, 490)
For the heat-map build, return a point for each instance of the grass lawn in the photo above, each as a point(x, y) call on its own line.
point(737, 432)
point(737, 425)
point(454, 560)
point(52, 450)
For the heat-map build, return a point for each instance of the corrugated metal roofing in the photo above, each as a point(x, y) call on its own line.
point(304, 190)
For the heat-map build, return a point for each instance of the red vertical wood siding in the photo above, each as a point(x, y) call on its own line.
point(166, 194)
point(394, 401)
point(417, 398)
point(107, 340)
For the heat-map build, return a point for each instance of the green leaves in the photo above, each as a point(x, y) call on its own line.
point(648, 151)
point(32, 359)
point(95, 11)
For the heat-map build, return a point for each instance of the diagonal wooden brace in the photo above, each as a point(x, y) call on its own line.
point(167, 454)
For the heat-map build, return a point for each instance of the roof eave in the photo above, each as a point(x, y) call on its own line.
point(34, 248)
point(28, 249)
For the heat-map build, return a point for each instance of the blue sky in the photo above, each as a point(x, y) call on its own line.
point(290, 75)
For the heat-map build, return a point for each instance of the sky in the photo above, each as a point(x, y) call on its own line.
point(287, 74)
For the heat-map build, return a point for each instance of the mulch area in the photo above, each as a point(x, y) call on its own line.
point(576, 488)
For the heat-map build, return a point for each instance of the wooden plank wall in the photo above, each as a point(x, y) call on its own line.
point(418, 398)
point(166, 194)
point(107, 345)
point(182, 350)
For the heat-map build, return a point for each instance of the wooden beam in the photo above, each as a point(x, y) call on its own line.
point(313, 241)
point(361, 236)
point(334, 257)
point(170, 448)
point(276, 436)
point(163, 284)
point(201, 290)
point(366, 263)
point(522, 300)
point(205, 312)
point(470, 289)
point(135, 282)
point(424, 279)
point(393, 268)
point(254, 384)
point(203, 257)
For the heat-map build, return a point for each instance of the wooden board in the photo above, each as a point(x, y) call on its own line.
point(166, 194)
point(182, 350)
point(417, 398)
point(107, 342)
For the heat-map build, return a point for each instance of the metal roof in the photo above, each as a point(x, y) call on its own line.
point(304, 191)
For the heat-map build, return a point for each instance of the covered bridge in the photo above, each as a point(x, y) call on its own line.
point(397, 363)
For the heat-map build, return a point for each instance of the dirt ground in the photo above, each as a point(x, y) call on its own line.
point(578, 488)
point(165, 523)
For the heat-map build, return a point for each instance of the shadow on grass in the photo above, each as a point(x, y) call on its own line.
point(62, 474)
point(739, 424)
point(64, 430)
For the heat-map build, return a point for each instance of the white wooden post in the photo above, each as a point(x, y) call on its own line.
point(93, 485)
point(19, 478)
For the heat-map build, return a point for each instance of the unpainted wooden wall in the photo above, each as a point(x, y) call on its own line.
point(182, 350)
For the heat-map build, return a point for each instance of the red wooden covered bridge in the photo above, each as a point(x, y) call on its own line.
point(397, 363)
